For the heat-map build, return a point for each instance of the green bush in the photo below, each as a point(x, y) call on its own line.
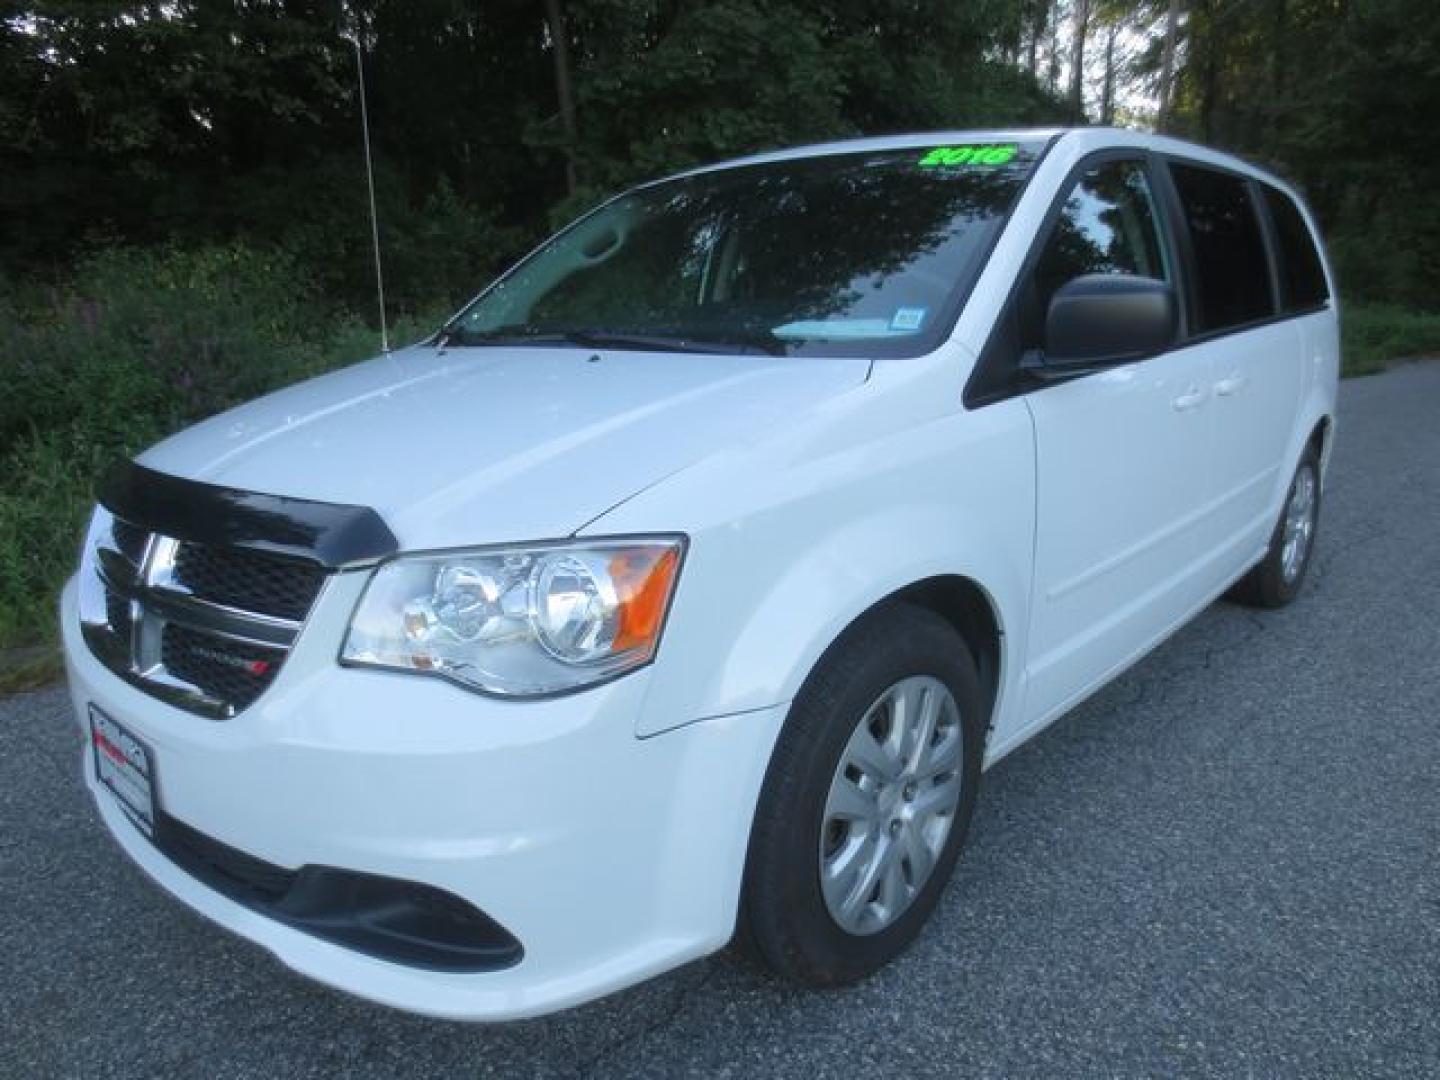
point(137, 344)
point(141, 341)
point(1373, 334)
point(437, 249)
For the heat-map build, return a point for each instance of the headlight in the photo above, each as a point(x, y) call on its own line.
point(519, 621)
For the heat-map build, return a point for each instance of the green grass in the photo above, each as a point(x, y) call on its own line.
point(142, 343)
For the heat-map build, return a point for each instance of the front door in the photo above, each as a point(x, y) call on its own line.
point(1122, 462)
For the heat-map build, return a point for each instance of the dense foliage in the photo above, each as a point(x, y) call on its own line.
point(207, 120)
point(1340, 95)
point(136, 344)
point(182, 196)
point(203, 121)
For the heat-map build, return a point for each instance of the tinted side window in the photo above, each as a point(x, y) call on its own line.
point(1234, 278)
point(1302, 279)
point(1107, 226)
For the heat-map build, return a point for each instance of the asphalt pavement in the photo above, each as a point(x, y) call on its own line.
point(1225, 864)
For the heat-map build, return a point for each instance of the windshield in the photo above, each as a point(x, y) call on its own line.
point(861, 253)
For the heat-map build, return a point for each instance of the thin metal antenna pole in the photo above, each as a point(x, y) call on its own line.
point(370, 182)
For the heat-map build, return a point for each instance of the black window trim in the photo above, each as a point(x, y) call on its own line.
point(1182, 226)
point(1257, 202)
point(1022, 383)
point(1270, 238)
point(1278, 255)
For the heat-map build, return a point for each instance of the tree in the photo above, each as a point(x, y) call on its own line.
point(1038, 16)
point(1107, 98)
point(1166, 92)
point(560, 51)
point(1078, 34)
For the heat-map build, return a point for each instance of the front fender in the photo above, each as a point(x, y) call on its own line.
point(792, 541)
point(779, 641)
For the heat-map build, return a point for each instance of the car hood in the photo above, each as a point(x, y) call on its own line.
point(481, 445)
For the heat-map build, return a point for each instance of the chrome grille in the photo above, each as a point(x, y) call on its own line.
point(202, 627)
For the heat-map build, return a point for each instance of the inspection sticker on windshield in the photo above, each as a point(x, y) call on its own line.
point(908, 318)
point(993, 154)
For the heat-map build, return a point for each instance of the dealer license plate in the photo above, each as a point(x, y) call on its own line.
point(123, 765)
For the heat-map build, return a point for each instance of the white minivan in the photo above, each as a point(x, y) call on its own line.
point(678, 591)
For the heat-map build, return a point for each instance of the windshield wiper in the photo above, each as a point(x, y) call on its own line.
point(594, 338)
point(679, 342)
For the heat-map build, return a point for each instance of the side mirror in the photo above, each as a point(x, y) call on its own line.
point(1101, 320)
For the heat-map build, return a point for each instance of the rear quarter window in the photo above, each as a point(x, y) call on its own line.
point(1232, 271)
point(1302, 277)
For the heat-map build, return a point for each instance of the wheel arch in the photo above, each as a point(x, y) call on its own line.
point(1316, 428)
point(966, 606)
point(1322, 434)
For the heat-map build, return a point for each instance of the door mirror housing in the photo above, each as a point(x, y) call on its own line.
point(1101, 320)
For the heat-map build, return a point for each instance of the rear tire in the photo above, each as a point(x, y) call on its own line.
point(872, 783)
point(1276, 579)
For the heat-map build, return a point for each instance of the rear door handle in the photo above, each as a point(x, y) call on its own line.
point(1231, 385)
point(1191, 399)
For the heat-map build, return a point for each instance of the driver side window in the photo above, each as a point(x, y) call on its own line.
point(1108, 225)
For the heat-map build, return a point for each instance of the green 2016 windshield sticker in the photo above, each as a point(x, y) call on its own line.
point(971, 155)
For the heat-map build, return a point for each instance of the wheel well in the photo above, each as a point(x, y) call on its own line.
point(966, 607)
point(1320, 437)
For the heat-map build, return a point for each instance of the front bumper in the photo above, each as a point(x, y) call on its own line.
point(611, 858)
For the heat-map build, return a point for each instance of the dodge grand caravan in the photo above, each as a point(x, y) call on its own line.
point(679, 589)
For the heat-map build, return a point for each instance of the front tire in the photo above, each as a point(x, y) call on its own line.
point(867, 800)
point(1277, 578)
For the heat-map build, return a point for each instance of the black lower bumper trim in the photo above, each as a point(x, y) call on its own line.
point(405, 922)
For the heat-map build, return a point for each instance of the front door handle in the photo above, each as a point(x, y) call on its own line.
point(1231, 385)
point(1191, 399)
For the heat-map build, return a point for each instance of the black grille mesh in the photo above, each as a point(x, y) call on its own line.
point(129, 540)
point(230, 671)
point(117, 611)
point(243, 579)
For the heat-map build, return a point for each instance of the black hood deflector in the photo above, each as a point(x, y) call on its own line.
point(334, 535)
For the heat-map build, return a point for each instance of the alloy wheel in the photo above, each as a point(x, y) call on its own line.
point(891, 804)
point(1299, 524)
